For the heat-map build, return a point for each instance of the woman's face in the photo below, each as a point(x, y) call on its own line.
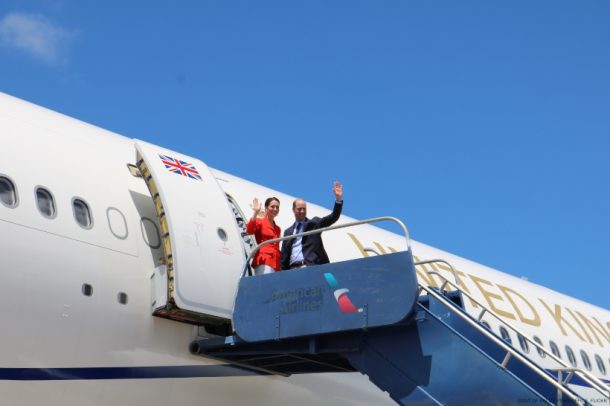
point(273, 209)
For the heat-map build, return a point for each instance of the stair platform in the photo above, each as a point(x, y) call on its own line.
point(330, 298)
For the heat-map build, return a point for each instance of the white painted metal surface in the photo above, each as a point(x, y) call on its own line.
point(158, 288)
point(206, 246)
point(48, 324)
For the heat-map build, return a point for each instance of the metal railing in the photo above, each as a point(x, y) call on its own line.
point(560, 384)
point(321, 230)
point(592, 380)
point(510, 351)
point(431, 261)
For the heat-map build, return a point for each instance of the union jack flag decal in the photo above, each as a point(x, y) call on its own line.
point(180, 167)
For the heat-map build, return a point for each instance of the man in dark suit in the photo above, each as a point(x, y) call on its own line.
point(309, 250)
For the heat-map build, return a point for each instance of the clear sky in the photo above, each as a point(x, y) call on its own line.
point(484, 125)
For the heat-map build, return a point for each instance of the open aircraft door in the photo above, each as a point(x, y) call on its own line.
point(203, 251)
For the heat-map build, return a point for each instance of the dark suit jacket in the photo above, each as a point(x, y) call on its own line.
point(313, 248)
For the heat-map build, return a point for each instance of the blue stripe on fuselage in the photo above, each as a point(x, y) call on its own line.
point(185, 371)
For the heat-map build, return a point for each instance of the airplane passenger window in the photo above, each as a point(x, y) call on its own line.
point(555, 349)
point(585, 360)
point(82, 214)
point(600, 364)
point(87, 289)
point(222, 234)
point(8, 194)
point(505, 335)
point(122, 297)
point(571, 356)
point(523, 343)
point(486, 325)
point(45, 202)
point(540, 352)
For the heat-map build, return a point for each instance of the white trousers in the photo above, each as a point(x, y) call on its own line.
point(263, 269)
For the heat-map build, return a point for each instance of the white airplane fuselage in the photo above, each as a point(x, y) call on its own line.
point(77, 301)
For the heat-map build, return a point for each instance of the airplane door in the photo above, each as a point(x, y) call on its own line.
point(204, 255)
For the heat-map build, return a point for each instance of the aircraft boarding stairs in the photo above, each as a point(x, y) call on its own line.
point(371, 315)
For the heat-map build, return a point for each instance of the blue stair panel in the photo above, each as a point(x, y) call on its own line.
point(429, 363)
point(497, 353)
point(364, 315)
point(330, 298)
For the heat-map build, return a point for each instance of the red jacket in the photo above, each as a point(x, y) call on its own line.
point(264, 230)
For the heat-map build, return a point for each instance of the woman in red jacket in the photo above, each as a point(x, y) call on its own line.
point(267, 259)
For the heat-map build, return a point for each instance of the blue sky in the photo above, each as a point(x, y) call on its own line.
point(484, 125)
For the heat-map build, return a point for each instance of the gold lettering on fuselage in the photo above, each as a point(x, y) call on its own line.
point(358, 245)
point(593, 328)
point(439, 266)
point(582, 328)
point(560, 320)
point(587, 329)
point(509, 293)
point(447, 288)
point(381, 249)
point(424, 275)
point(490, 296)
point(461, 277)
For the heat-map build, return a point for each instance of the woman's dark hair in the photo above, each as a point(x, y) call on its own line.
point(269, 200)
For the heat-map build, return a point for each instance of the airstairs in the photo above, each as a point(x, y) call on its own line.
point(370, 315)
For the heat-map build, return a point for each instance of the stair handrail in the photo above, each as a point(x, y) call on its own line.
point(321, 230)
point(575, 371)
point(508, 348)
point(431, 261)
point(592, 380)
